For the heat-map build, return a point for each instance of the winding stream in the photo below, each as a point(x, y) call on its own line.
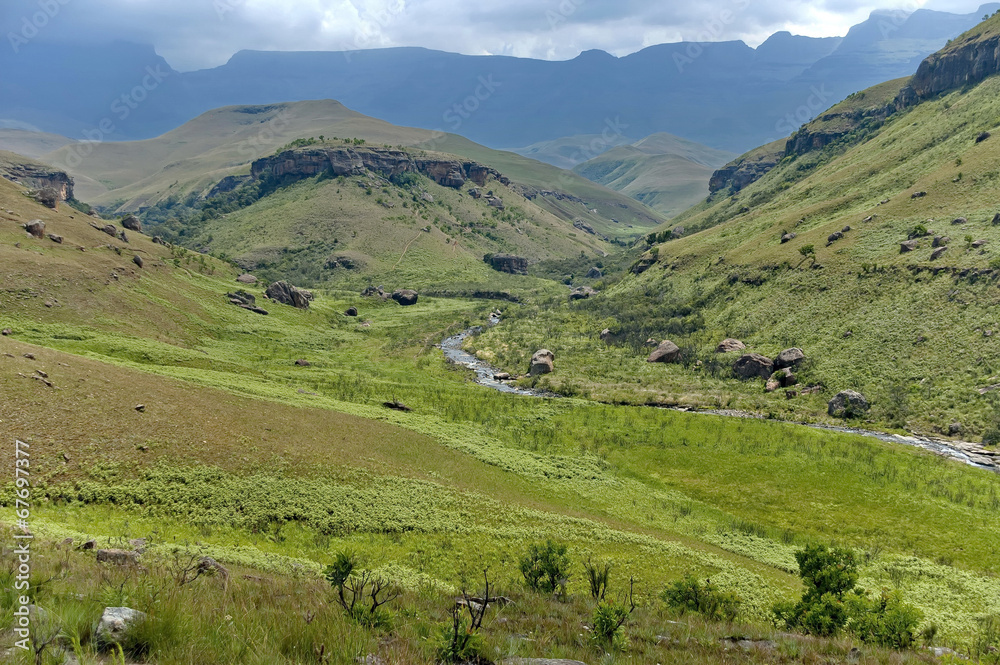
point(964, 451)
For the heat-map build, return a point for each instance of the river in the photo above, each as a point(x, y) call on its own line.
point(966, 452)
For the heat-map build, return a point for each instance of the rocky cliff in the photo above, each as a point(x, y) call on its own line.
point(35, 175)
point(388, 162)
point(966, 61)
point(747, 168)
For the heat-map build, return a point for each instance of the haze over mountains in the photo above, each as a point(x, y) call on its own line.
point(723, 94)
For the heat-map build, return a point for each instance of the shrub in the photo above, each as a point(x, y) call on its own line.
point(689, 595)
point(608, 620)
point(361, 594)
point(828, 574)
point(597, 575)
point(545, 567)
point(886, 620)
point(457, 643)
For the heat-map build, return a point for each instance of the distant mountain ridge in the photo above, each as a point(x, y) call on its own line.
point(734, 97)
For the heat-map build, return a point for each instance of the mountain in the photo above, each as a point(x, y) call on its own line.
point(870, 240)
point(273, 188)
point(568, 151)
point(725, 94)
point(662, 171)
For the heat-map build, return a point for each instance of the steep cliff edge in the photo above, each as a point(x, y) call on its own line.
point(35, 175)
point(446, 170)
point(967, 60)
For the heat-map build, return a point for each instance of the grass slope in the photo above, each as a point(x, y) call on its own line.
point(135, 174)
point(273, 466)
point(911, 332)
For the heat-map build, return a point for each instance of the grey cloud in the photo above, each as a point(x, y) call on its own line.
point(201, 33)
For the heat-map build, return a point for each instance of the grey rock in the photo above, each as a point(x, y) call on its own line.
point(955, 429)
point(132, 223)
point(110, 229)
point(834, 237)
point(606, 335)
point(666, 352)
point(542, 362)
point(936, 254)
point(246, 278)
point(594, 273)
point(847, 404)
point(959, 220)
point(753, 366)
point(405, 297)
point(789, 358)
point(940, 241)
point(138, 260)
point(730, 344)
point(351, 311)
point(976, 244)
point(115, 623)
point(581, 293)
point(287, 294)
point(58, 239)
point(36, 227)
point(908, 246)
point(787, 237)
point(515, 265)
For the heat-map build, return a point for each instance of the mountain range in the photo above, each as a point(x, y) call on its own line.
point(726, 95)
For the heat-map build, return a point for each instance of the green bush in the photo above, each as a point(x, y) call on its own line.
point(885, 620)
point(458, 643)
point(689, 595)
point(608, 620)
point(545, 567)
point(828, 574)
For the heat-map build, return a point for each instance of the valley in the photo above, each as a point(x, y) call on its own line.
point(300, 385)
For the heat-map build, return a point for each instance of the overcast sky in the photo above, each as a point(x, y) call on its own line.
point(193, 34)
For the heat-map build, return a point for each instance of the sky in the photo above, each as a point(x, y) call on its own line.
point(195, 34)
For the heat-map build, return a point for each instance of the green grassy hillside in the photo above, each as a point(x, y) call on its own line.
point(662, 171)
point(131, 175)
point(913, 333)
point(272, 466)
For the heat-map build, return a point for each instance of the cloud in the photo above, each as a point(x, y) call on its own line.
point(193, 34)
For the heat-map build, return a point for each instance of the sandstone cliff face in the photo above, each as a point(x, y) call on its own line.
point(747, 168)
point(956, 66)
point(388, 162)
point(37, 176)
point(830, 127)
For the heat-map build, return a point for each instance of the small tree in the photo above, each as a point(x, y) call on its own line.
point(597, 575)
point(609, 617)
point(808, 251)
point(545, 567)
point(828, 574)
point(361, 594)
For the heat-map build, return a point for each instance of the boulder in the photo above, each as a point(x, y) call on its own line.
point(302, 362)
point(772, 385)
point(36, 227)
point(246, 278)
point(785, 377)
point(405, 297)
point(132, 223)
point(47, 196)
point(982, 136)
point(55, 238)
point(138, 260)
point(908, 246)
point(753, 366)
point(287, 294)
point(117, 557)
point(730, 344)
point(787, 237)
point(789, 358)
point(940, 241)
point(594, 273)
point(954, 429)
point(666, 352)
point(6, 332)
point(351, 311)
point(936, 254)
point(976, 244)
point(847, 404)
point(581, 293)
point(959, 220)
point(834, 237)
point(515, 265)
point(542, 362)
point(846, 229)
point(651, 342)
point(110, 229)
point(115, 623)
point(918, 195)
point(241, 297)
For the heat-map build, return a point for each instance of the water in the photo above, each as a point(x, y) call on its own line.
point(965, 452)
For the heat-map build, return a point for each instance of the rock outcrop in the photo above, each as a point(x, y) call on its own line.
point(115, 623)
point(515, 265)
point(789, 358)
point(36, 175)
point(847, 404)
point(287, 294)
point(542, 362)
point(730, 344)
point(132, 223)
point(665, 352)
point(753, 366)
point(445, 170)
point(747, 168)
point(36, 227)
point(405, 297)
point(581, 293)
point(963, 62)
